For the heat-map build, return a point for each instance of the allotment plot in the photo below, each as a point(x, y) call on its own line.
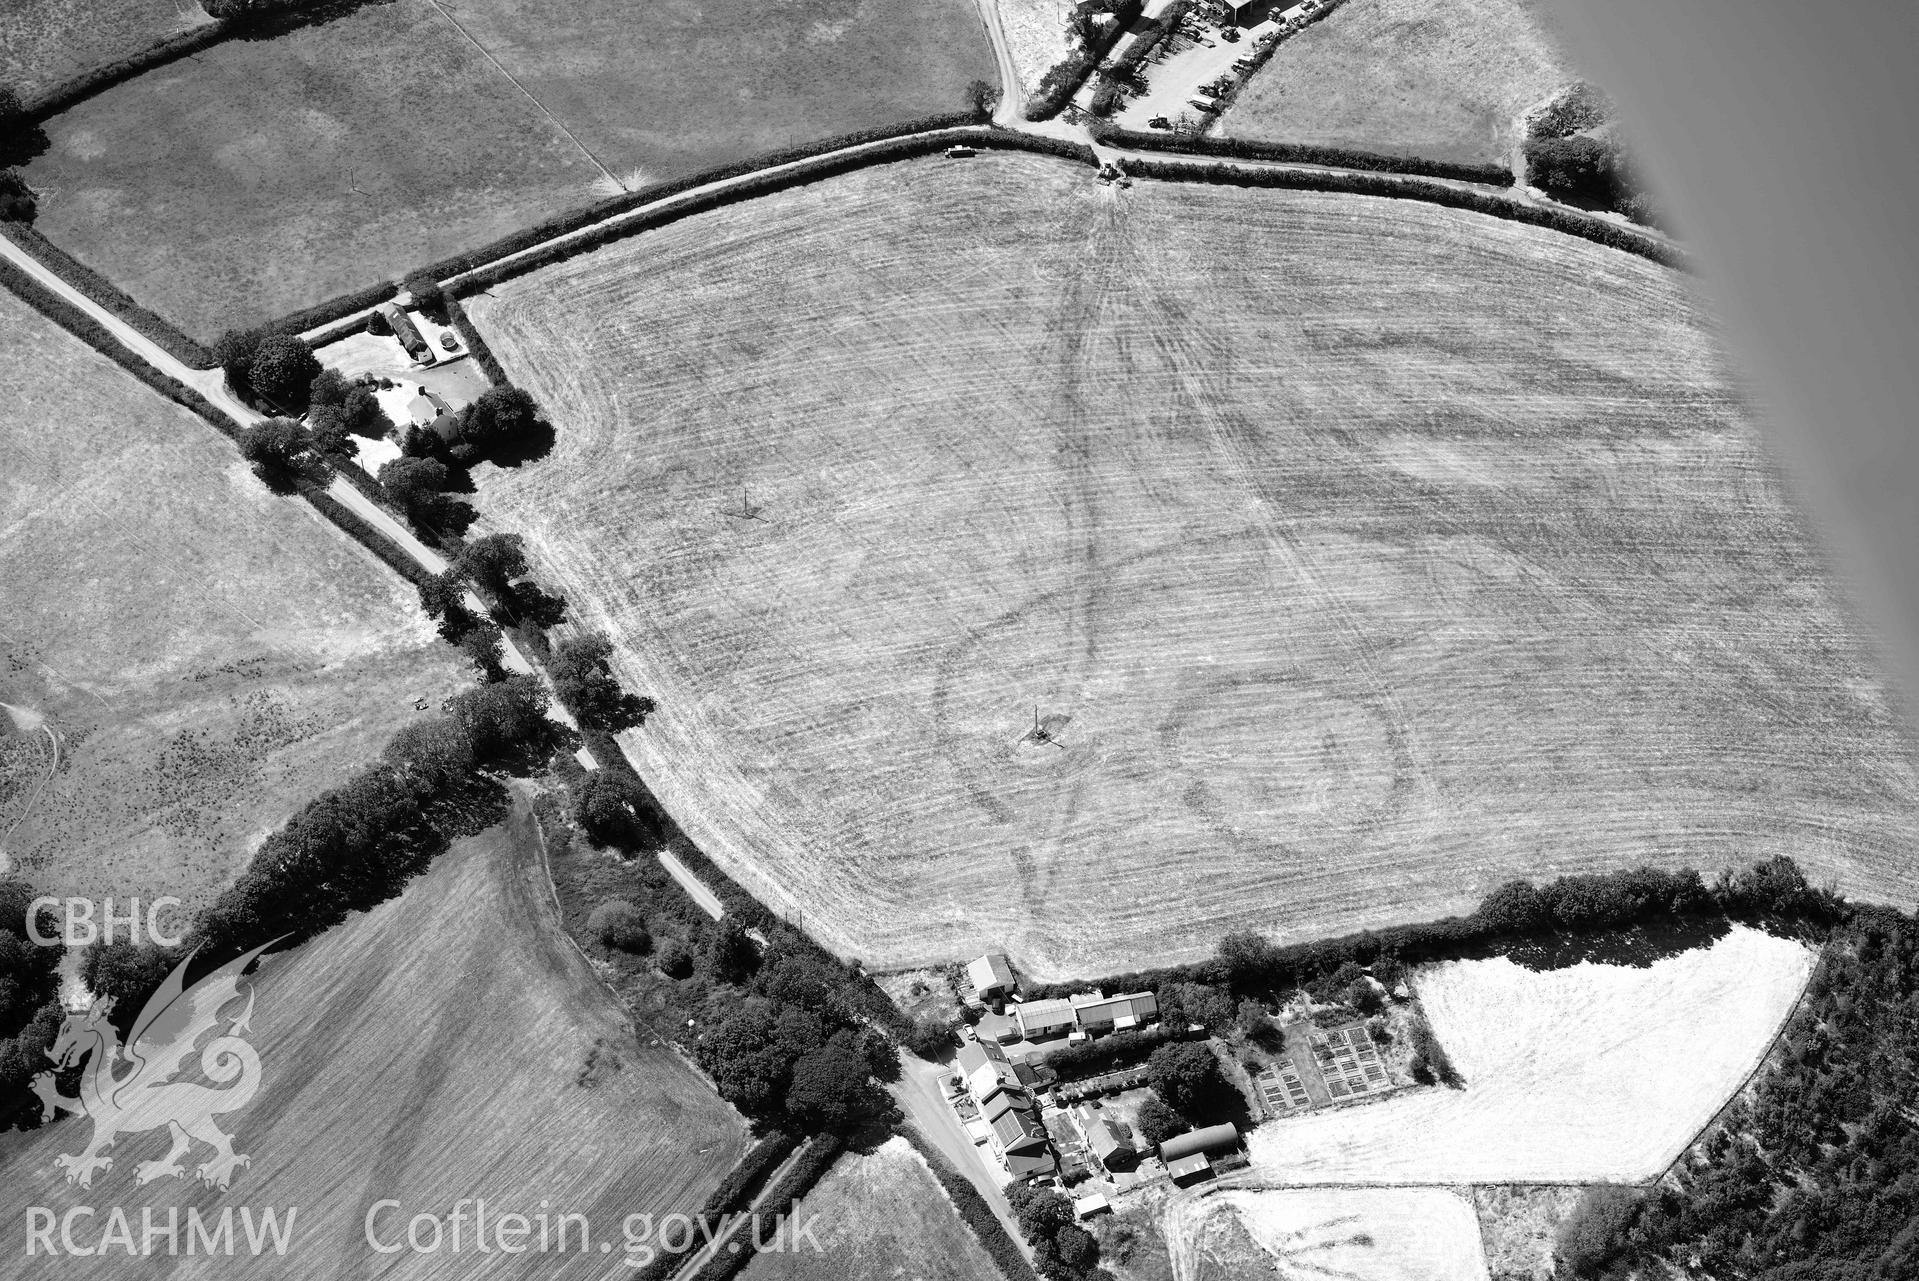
point(1590, 1074)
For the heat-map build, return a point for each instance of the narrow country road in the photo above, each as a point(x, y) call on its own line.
point(1012, 99)
point(920, 1097)
point(695, 888)
point(211, 383)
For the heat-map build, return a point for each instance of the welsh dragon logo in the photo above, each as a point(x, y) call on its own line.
point(150, 1095)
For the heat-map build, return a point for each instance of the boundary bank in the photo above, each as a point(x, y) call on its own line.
point(1123, 139)
point(1396, 186)
point(150, 324)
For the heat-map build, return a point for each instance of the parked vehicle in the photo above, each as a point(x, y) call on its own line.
point(959, 151)
point(1159, 122)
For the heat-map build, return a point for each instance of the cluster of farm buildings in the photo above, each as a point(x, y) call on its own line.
point(1000, 1096)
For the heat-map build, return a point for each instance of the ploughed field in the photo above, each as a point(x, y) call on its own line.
point(209, 657)
point(1407, 78)
point(450, 1044)
point(1357, 555)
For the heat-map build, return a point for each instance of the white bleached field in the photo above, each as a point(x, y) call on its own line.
point(1591, 1074)
point(1364, 1234)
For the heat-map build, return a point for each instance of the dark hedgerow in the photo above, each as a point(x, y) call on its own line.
point(1302, 154)
point(1394, 186)
point(764, 183)
point(975, 1212)
point(157, 330)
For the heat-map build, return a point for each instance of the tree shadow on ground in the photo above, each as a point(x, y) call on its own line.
point(1638, 946)
point(532, 446)
point(279, 22)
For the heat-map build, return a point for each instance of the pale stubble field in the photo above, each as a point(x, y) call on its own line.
point(1360, 555)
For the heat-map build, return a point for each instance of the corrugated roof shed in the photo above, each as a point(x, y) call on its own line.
point(1210, 1139)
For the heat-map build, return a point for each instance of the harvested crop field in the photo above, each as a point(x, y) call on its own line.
point(264, 176)
point(1363, 1234)
point(434, 1049)
point(1590, 1074)
point(878, 1216)
point(45, 42)
point(1407, 78)
point(1358, 555)
point(209, 657)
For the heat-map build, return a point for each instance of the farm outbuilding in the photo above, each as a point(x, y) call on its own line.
point(1214, 1138)
point(1189, 1169)
point(991, 975)
point(1095, 1014)
point(1039, 1019)
point(407, 332)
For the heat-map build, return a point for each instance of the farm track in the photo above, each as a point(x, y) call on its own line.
point(1349, 543)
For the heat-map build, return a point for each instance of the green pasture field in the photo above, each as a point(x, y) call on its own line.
point(266, 175)
point(263, 176)
point(44, 42)
point(1446, 82)
point(208, 656)
point(1357, 554)
point(666, 90)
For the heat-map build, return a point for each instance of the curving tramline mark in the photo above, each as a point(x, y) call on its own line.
point(27, 721)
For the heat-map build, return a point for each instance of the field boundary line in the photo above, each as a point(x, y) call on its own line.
point(1765, 1061)
point(445, 11)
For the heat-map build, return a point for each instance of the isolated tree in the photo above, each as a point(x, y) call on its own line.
point(677, 963)
point(282, 368)
point(1156, 1123)
point(1576, 168)
point(982, 97)
point(500, 420)
point(484, 646)
point(414, 482)
point(443, 598)
point(493, 563)
point(611, 810)
point(279, 450)
point(617, 924)
point(503, 718)
point(1187, 1076)
point(585, 683)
